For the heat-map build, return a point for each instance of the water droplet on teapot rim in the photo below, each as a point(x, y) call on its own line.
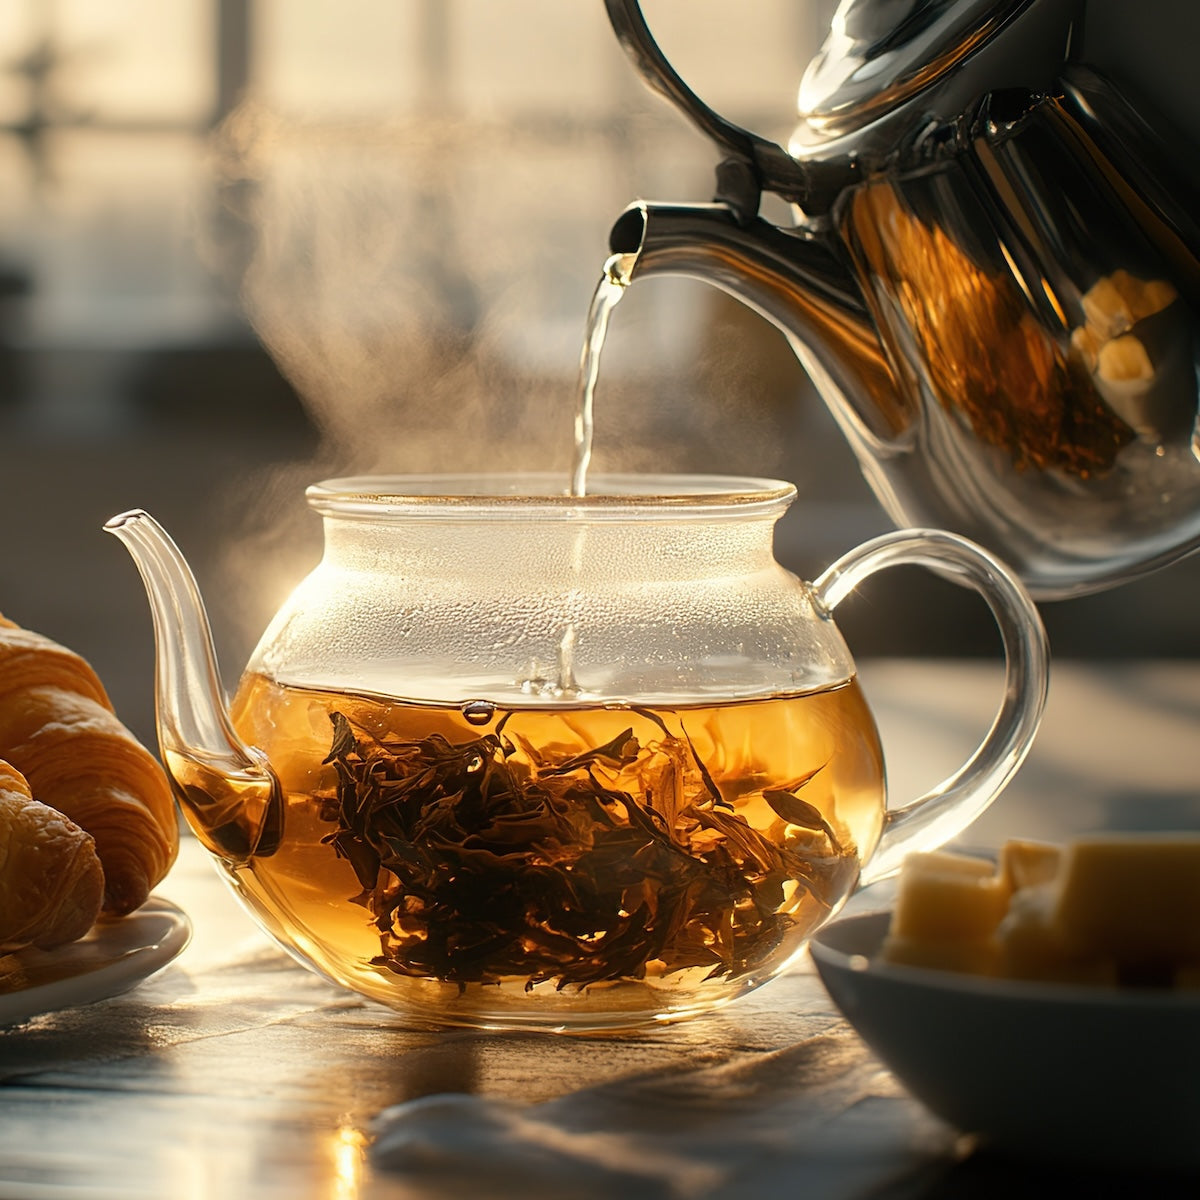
point(478, 712)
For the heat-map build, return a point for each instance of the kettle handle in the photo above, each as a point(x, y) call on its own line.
point(754, 164)
point(950, 807)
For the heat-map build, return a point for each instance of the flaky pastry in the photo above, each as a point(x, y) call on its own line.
point(58, 729)
point(51, 881)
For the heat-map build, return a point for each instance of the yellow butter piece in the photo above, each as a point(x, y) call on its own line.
point(1142, 297)
point(1107, 909)
point(1026, 864)
point(1106, 309)
point(967, 957)
point(947, 897)
point(1156, 294)
point(1124, 359)
point(1030, 945)
point(1133, 898)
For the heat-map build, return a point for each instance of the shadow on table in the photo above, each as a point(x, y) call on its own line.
point(987, 1175)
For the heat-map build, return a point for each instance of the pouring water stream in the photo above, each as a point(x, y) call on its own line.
point(614, 279)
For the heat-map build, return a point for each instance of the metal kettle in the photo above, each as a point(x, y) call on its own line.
point(993, 275)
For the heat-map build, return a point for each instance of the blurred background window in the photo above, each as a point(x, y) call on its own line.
point(247, 242)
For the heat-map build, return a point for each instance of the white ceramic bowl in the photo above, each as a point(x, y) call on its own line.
point(1066, 1072)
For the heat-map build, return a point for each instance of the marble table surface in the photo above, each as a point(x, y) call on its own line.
point(233, 1072)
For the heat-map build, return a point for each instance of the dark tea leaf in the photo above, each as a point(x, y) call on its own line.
point(343, 738)
point(791, 808)
point(489, 859)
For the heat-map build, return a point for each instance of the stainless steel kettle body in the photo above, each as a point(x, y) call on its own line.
point(994, 272)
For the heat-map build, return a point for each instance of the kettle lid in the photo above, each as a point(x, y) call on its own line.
point(880, 53)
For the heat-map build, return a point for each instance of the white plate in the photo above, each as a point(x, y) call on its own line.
point(1071, 1072)
point(112, 958)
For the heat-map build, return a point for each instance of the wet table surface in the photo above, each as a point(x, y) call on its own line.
point(235, 1072)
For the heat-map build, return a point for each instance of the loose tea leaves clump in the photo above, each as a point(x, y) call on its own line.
point(489, 859)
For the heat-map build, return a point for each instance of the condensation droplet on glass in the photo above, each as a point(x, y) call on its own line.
point(478, 712)
point(474, 764)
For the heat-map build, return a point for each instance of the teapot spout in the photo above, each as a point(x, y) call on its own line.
point(227, 791)
point(792, 278)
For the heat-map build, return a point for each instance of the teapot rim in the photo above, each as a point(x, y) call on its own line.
point(546, 495)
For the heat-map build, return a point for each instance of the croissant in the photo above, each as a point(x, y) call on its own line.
point(51, 882)
point(58, 729)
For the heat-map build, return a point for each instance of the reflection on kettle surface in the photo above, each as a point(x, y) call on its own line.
point(994, 275)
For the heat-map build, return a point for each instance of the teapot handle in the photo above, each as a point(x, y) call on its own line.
point(754, 164)
point(950, 807)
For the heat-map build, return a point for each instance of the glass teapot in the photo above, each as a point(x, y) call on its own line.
point(513, 758)
point(993, 276)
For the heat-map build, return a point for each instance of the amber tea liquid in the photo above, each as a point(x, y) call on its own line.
point(615, 864)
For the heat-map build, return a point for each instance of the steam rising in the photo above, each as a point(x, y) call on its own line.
point(355, 282)
point(358, 291)
point(394, 287)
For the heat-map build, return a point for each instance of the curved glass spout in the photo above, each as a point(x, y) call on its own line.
point(226, 790)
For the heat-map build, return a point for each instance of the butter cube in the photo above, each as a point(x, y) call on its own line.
point(1143, 297)
point(1133, 898)
point(1026, 864)
point(1108, 909)
point(1106, 309)
point(1124, 360)
point(948, 897)
point(974, 957)
point(1030, 944)
point(1156, 294)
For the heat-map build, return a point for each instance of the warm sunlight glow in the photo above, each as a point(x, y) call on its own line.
point(349, 1155)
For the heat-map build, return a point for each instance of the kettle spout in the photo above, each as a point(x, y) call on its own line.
point(793, 278)
point(227, 791)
